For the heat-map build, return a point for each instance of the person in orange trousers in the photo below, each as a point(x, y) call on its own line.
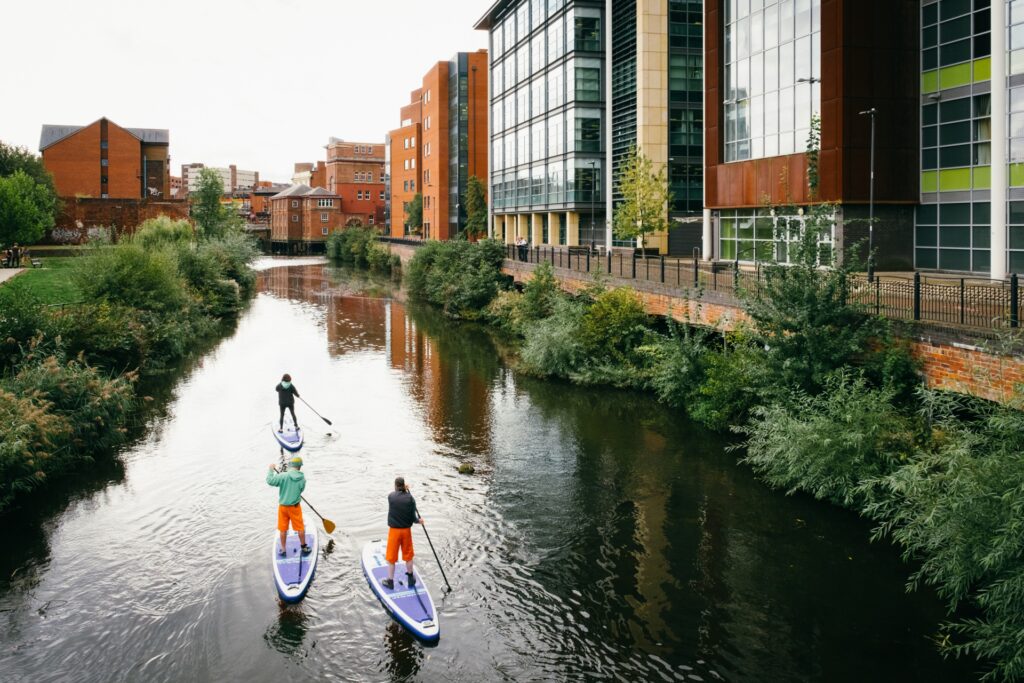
point(402, 514)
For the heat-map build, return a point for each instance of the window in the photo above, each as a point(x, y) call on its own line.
point(104, 179)
point(323, 218)
point(104, 144)
point(295, 203)
point(295, 218)
point(359, 195)
point(772, 77)
point(406, 143)
point(323, 231)
point(369, 150)
point(369, 220)
point(381, 195)
point(588, 33)
point(760, 235)
point(588, 80)
point(412, 185)
point(324, 203)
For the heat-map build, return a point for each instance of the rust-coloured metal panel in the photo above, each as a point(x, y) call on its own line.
point(869, 58)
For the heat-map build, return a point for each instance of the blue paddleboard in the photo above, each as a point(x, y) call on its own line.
point(411, 606)
point(289, 439)
point(294, 571)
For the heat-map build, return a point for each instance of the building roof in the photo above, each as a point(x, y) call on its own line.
point(271, 190)
point(294, 191)
point(320, 192)
point(486, 22)
point(53, 134)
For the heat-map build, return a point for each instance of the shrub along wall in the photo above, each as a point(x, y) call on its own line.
point(68, 375)
point(824, 399)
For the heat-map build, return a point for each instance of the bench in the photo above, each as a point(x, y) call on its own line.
point(37, 263)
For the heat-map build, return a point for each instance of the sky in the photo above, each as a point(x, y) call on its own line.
point(258, 83)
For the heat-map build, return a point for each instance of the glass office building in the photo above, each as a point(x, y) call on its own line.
point(971, 217)
point(560, 122)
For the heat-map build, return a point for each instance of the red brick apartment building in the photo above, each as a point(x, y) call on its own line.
point(104, 160)
point(447, 150)
point(301, 218)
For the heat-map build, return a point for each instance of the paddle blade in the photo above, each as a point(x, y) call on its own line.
point(329, 526)
point(326, 420)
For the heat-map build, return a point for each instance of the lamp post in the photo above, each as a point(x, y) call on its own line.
point(871, 198)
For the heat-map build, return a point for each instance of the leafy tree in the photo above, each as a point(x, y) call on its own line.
point(414, 212)
point(645, 198)
point(26, 209)
point(475, 201)
point(20, 159)
point(212, 218)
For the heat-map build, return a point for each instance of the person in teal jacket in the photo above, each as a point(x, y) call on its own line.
point(290, 486)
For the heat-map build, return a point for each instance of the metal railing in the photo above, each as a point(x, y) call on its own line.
point(942, 301)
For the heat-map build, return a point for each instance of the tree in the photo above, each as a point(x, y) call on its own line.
point(475, 201)
point(414, 212)
point(13, 159)
point(212, 218)
point(26, 209)
point(645, 198)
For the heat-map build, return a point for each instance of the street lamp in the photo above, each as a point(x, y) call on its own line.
point(871, 198)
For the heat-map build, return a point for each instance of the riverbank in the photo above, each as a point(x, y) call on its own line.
point(822, 399)
point(77, 335)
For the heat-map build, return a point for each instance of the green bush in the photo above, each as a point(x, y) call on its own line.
point(155, 233)
point(678, 363)
point(22, 317)
point(28, 441)
point(506, 312)
point(957, 508)
point(460, 277)
point(736, 378)
point(552, 346)
point(828, 444)
point(131, 275)
point(614, 325)
point(107, 335)
point(359, 246)
point(540, 293)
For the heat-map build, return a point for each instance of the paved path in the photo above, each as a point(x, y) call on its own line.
point(7, 273)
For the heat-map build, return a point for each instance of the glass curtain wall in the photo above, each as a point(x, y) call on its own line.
point(547, 101)
point(686, 112)
point(772, 73)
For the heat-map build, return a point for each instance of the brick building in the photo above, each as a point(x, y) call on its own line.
point(301, 218)
point(355, 172)
point(446, 124)
point(104, 160)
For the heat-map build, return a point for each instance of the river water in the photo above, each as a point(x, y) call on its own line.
point(603, 537)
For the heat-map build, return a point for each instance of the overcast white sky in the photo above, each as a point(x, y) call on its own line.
point(258, 83)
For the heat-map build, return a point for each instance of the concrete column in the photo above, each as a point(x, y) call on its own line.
point(536, 230)
point(554, 228)
point(522, 225)
point(572, 229)
point(999, 156)
point(510, 228)
point(707, 249)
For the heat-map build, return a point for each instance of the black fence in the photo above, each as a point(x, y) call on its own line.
point(944, 301)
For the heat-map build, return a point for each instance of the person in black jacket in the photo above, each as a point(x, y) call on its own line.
point(286, 394)
point(402, 514)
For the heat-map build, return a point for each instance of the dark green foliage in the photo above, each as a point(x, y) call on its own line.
point(552, 346)
point(540, 293)
point(957, 508)
point(475, 202)
point(26, 209)
point(212, 218)
point(359, 246)
point(678, 362)
point(58, 413)
point(460, 277)
point(133, 276)
point(22, 317)
point(414, 212)
point(163, 230)
point(110, 337)
point(614, 325)
point(14, 159)
point(736, 378)
point(827, 444)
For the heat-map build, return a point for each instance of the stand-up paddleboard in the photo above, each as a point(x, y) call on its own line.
point(294, 571)
point(412, 607)
point(290, 438)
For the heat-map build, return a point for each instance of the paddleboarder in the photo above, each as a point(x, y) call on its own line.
point(286, 393)
point(290, 485)
point(402, 515)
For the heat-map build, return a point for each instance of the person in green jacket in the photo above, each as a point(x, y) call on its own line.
point(290, 485)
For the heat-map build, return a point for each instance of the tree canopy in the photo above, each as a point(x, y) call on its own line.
point(645, 198)
point(414, 212)
point(26, 209)
point(212, 218)
point(475, 201)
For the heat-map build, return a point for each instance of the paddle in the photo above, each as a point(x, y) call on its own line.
point(424, 527)
point(329, 526)
point(314, 411)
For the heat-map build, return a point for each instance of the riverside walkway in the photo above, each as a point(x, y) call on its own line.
point(8, 273)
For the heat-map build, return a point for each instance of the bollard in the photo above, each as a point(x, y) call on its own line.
point(634, 265)
point(662, 269)
point(696, 282)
